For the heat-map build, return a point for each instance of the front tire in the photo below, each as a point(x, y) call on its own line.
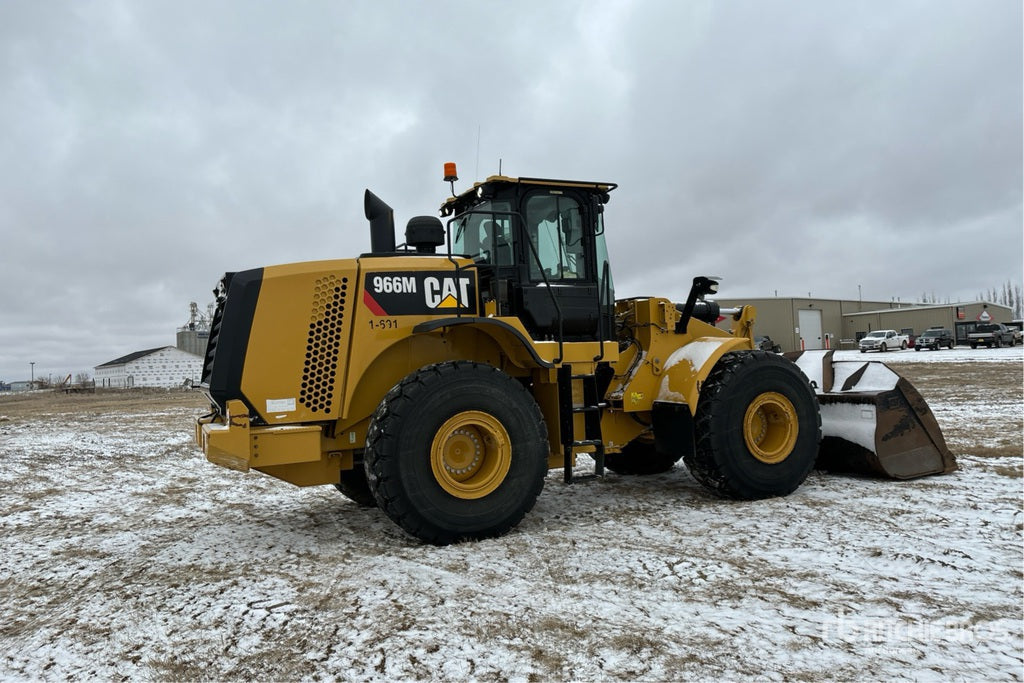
point(757, 427)
point(457, 451)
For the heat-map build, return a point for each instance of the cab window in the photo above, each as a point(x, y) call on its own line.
point(485, 234)
point(603, 266)
point(554, 226)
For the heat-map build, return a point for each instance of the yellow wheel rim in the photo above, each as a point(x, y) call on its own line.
point(770, 427)
point(470, 455)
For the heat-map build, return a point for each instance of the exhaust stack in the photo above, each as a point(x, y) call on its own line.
point(382, 224)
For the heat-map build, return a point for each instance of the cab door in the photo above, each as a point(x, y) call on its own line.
point(559, 294)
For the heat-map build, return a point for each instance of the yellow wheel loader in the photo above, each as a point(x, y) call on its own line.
point(442, 378)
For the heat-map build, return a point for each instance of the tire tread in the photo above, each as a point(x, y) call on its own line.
point(704, 462)
point(400, 402)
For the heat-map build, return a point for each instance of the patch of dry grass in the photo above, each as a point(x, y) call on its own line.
point(954, 380)
point(19, 406)
point(1012, 470)
point(997, 389)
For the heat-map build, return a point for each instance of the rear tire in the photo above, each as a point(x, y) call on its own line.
point(638, 458)
point(353, 486)
point(457, 451)
point(903, 346)
point(757, 427)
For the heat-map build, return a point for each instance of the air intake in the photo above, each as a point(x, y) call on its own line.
point(424, 233)
point(323, 344)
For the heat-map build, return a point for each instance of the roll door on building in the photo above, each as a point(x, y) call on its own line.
point(809, 322)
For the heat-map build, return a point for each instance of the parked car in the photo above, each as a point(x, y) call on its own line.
point(991, 334)
point(883, 340)
point(935, 338)
point(765, 343)
point(1018, 331)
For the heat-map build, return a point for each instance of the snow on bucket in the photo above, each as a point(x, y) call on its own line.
point(873, 420)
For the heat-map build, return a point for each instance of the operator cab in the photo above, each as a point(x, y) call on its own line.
point(539, 248)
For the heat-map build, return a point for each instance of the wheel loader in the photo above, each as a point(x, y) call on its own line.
point(442, 378)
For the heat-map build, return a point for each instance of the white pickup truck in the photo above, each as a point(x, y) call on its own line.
point(883, 340)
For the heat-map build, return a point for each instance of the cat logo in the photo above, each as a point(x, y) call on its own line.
point(419, 293)
point(446, 292)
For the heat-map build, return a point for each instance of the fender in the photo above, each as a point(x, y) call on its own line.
point(512, 340)
point(375, 375)
point(687, 367)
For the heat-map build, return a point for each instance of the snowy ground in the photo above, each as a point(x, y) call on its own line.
point(127, 555)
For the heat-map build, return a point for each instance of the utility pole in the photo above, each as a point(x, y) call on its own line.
point(32, 382)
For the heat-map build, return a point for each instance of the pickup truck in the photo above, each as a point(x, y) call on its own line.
point(991, 334)
point(883, 340)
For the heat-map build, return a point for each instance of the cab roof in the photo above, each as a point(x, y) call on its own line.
point(451, 204)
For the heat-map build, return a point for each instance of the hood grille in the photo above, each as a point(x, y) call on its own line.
point(323, 344)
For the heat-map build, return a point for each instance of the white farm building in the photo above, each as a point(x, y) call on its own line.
point(166, 366)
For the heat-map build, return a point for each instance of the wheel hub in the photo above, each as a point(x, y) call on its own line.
point(462, 452)
point(471, 454)
point(770, 427)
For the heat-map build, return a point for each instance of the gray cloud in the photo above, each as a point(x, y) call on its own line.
point(789, 147)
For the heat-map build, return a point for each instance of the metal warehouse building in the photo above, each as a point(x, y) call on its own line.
point(797, 324)
point(166, 366)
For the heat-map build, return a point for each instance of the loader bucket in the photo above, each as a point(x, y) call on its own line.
point(873, 421)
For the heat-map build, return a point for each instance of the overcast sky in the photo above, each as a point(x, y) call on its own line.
point(789, 147)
